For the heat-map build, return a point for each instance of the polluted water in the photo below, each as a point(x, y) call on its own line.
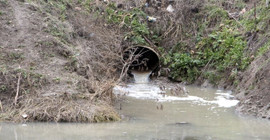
point(149, 113)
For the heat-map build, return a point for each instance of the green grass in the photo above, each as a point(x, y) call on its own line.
point(260, 23)
point(3, 88)
point(133, 22)
point(57, 80)
point(264, 48)
point(59, 30)
point(15, 57)
point(220, 51)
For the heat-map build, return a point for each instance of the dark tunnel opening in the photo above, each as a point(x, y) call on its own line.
point(141, 58)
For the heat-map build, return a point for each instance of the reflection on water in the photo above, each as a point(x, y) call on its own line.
point(179, 120)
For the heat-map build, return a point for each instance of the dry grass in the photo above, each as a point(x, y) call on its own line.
point(65, 108)
point(178, 26)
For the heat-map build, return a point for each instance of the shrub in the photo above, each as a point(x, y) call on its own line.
point(222, 50)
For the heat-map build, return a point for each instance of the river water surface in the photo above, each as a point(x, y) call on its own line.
point(201, 114)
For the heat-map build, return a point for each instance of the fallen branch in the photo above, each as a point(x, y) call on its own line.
point(18, 89)
point(149, 42)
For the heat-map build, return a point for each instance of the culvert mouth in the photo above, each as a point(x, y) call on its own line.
point(141, 58)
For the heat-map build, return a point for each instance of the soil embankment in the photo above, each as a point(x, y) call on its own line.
point(254, 88)
point(55, 69)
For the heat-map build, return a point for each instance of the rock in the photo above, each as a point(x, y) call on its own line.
point(91, 35)
point(170, 9)
point(207, 84)
point(24, 116)
point(78, 8)
point(240, 95)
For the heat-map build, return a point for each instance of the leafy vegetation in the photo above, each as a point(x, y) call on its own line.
point(221, 51)
point(130, 21)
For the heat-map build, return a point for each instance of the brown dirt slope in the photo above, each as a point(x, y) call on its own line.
point(254, 88)
point(58, 68)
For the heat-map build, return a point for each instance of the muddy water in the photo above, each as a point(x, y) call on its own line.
point(202, 114)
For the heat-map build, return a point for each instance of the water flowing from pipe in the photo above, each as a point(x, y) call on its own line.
point(141, 77)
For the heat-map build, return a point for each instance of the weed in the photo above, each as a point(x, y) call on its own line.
point(59, 30)
point(15, 57)
point(86, 4)
point(264, 48)
point(184, 66)
point(58, 6)
point(32, 68)
point(133, 21)
point(57, 80)
point(236, 82)
point(212, 76)
point(4, 2)
point(221, 50)
point(258, 23)
point(9, 22)
point(21, 46)
point(3, 69)
point(3, 88)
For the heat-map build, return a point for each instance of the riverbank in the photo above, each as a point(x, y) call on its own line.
point(53, 66)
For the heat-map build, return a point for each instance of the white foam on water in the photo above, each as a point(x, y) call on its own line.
point(153, 92)
point(142, 89)
point(221, 101)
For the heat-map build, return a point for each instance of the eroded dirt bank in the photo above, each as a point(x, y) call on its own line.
point(53, 69)
point(254, 90)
